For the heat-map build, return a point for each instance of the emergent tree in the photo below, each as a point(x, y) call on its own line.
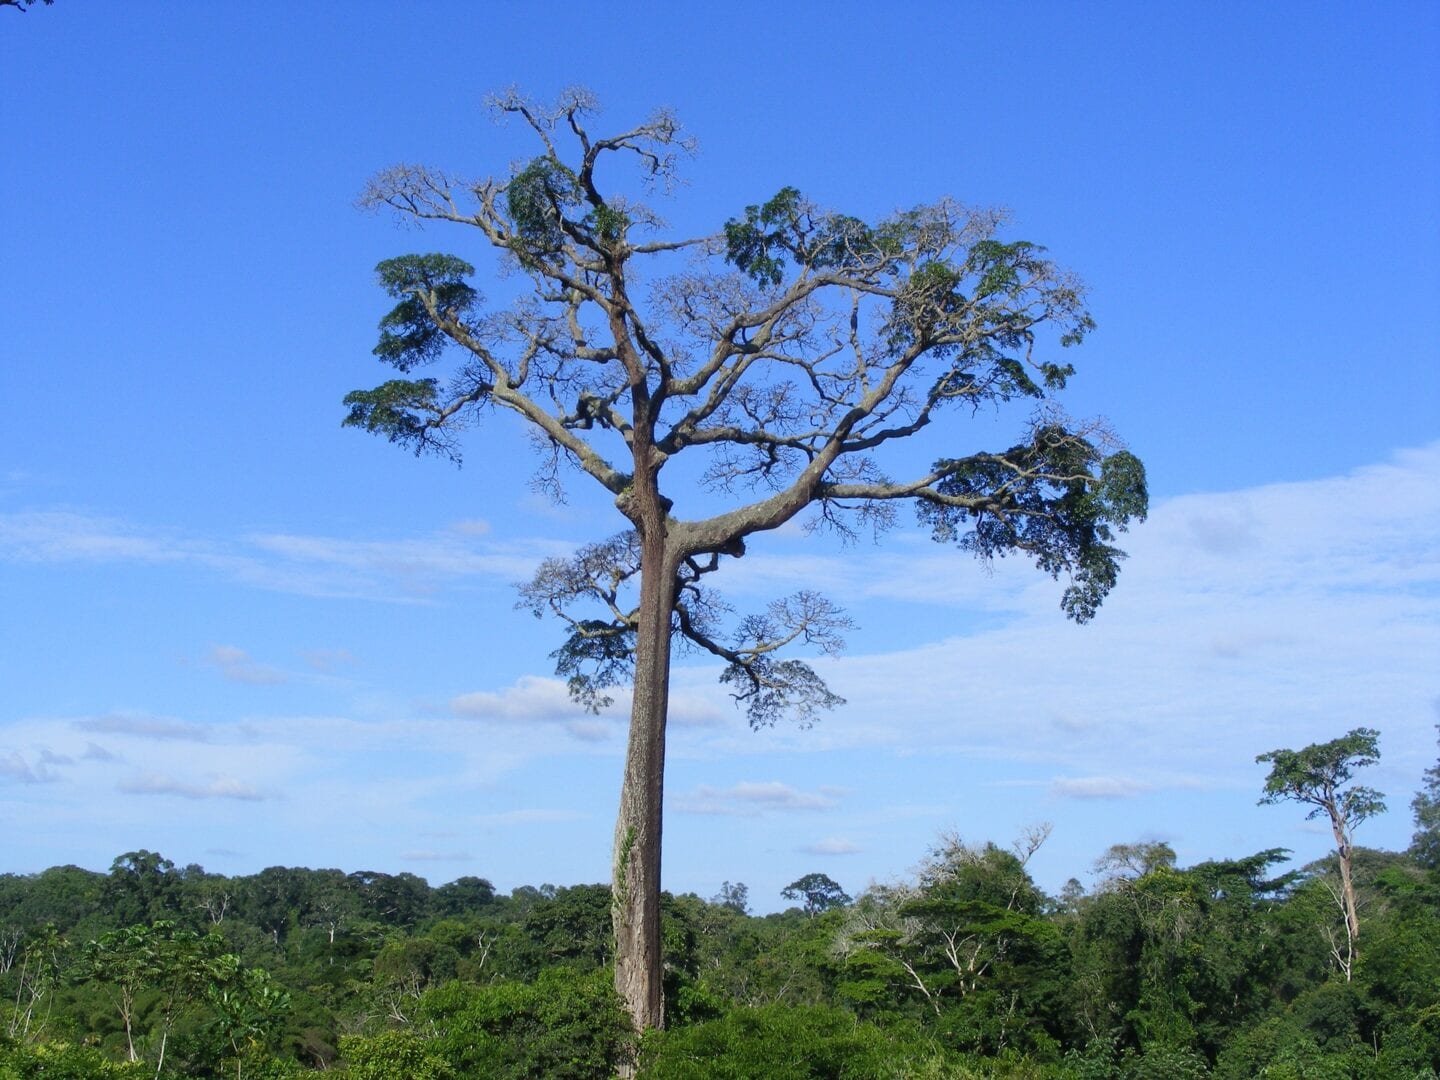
point(820, 892)
point(781, 356)
point(1316, 777)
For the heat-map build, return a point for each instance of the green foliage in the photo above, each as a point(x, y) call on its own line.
point(431, 290)
point(1425, 845)
point(537, 199)
point(756, 245)
point(392, 1055)
point(736, 897)
point(404, 411)
point(142, 887)
point(464, 895)
point(1158, 972)
point(248, 1007)
point(1102, 1060)
point(65, 1061)
point(818, 892)
point(781, 1043)
point(565, 1025)
point(1315, 774)
point(1063, 516)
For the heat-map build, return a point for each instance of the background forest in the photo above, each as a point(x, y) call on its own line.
point(1234, 969)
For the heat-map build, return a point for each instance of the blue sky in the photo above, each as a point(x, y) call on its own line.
point(241, 636)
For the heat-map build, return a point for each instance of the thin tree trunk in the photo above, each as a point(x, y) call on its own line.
point(1347, 889)
point(636, 865)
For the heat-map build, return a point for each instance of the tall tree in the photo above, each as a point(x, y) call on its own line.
point(783, 356)
point(1316, 776)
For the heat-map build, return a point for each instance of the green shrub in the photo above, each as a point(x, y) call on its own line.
point(391, 1055)
point(778, 1042)
point(63, 1061)
point(563, 1026)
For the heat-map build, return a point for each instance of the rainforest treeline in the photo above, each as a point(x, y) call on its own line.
point(1233, 969)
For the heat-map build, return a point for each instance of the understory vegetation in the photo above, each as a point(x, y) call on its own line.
point(1229, 969)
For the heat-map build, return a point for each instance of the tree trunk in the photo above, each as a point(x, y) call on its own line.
point(1347, 887)
point(636, 865)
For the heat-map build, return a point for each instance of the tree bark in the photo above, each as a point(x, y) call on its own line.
point(636, 865)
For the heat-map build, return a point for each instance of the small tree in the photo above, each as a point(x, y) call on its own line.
point(782, 356)
point(1316, 777)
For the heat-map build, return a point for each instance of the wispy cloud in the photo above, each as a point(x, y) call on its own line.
point(748, 798)
point(216, 787)
point(408, 569)
point(145, 727)
point(1097, 787)
point(14, 766)
point(537, 699)
point(235, 665)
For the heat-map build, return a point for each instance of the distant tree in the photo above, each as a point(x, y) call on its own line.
point(572, 926)
point(973, 913)
point(818, 893)
point(1129, 861)
point(783, 356)
point(735, 897)
point(393, 899)
point(143, 886)
point(1425, 845)
point(1316, 776)
point(464, 895)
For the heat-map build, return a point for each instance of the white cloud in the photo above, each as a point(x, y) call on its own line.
point(531, 699)
point(1305, 621)
point(65, 536)
point(216, 787)
point(748, 798)
point(535, 699)
point(1097, 787)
